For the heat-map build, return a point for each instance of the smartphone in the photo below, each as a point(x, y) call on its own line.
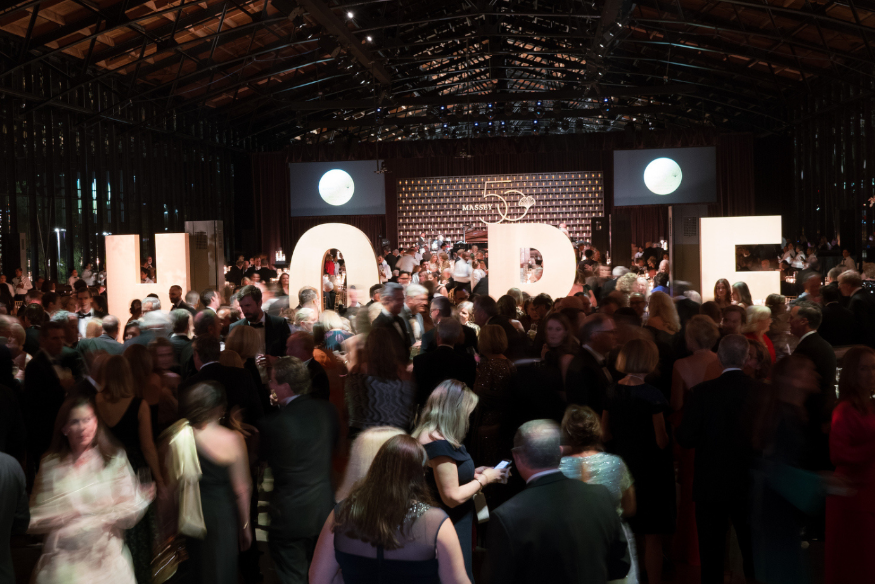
point(503, 464)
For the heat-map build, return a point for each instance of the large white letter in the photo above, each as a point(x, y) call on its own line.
point(720, 235)
point(123, 261)
point(306, 266)
point(505, 242)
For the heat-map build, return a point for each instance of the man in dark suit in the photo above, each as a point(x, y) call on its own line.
point(558, 529)
point(392, 298)
point(177, 301)
point(14, 511)
point(860, 302)
point(298, 443)
point(444, 362)
point(13, 435)
point(839, 327)
point(486, 312)
point(106, 342)
point(179, 320)
point(482, 287)
point(206, 324)
point(240, 390)
point(374, 292)
point(714, 424)
point(588, 377)
point(275, 329)
point(300, 346)
point(44, 391)
point(235, 274)
point(441, 308)
point(34, 317)
point(804, 321)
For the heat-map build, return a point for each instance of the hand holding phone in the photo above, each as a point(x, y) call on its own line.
point(503, 464)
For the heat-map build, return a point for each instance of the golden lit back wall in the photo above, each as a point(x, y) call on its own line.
point(447, 205)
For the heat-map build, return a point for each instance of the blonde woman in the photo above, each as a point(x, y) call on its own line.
point(334, 333)
point(465, 312)
point(245, 341)
point(663, 314)
point(361, 455)
point(453, 478)
point(759, 319)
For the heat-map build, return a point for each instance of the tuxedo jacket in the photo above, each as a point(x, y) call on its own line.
point(101, 343)
point(716, 423)
point(240, 390)
point(298, 442)
point(430, 369)
point(383, 320)
point(429, 343)
point(41, 401)
point(276, 333)
point(556, 530)
point(180, 345)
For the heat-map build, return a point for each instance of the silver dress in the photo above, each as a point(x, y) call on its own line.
point(610, 471)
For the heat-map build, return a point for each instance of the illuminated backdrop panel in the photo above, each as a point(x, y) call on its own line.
point(447, 205)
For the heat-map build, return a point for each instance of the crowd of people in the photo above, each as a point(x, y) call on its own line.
point(607, 435)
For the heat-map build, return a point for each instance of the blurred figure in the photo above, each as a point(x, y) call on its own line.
point(84, 496)
point(334, 333)
point(734, 318)
point(136, 310)
point(14, 513)
point(850, 519)
point(361, 455)
point(586, 460)
point(759, 319)
point(224, 486)
point(163, 361)
point(758, 365)
point(491, 438)
point(388, 528)
point(588, 375)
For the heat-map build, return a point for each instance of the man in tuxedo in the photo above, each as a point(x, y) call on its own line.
point(179, 319)
point(415, 302)
point(272, 329)
point(34, 317)
point(486, 312)
point(839, 326)
point(86, 310)
point(211, 299)
point(14, 511)
point(558, 529)
point(206, 324)
point(240, 390)
point(392, 299)
point(860, 302)
point(106, 342)
point(482, 287)
point(714, 424)
point(300, 346)
point(44, 390)
point(444, 362)
point(176, 300)
point(298, 442)
point(588, 377)
point(441, 309)
point(235, 274)
point(804, 321)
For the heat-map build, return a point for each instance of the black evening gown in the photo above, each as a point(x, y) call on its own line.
point(214, 558)
point(463, 515)
point(139, 538)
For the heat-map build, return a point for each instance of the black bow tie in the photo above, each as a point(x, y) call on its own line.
point(83, 315)
point(257, 325)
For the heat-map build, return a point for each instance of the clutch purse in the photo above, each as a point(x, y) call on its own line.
point(184, 470)
point(481, 508)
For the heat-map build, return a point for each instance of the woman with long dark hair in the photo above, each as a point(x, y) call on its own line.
point(85, 495)
point(388, 528)
point(741, 295)
point(723, 293)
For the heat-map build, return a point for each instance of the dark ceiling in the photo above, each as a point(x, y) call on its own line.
point(280, 71)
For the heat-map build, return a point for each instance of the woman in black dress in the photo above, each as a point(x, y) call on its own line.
point(634, 423)
point(453, 478)
point(225, 487)
point(388, 530)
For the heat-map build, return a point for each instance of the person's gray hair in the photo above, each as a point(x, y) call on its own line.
point(620, 271)
point(732, 351)
point(155, 303)
point(61, 316)
point(180, 319)
point(449, 330)
point(851, 278)
point(157, 321)
point(415, 290)
point(110, 325)
point(304, 314)
point(537, 442)
point(810, 312)
point(192, 298)
point(389, 291)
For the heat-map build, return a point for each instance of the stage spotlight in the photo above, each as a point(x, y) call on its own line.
point(539, 109)
point(490, 111)
point(370, 39)
point(349, 15)
point(442, 113)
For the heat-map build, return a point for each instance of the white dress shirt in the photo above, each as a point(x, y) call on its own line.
point(22, 285)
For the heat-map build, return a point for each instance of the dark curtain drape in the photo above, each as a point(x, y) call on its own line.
point(567, 152)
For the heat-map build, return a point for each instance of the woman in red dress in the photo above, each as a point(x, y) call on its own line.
point(850, 520)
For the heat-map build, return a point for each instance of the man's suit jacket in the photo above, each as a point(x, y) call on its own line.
point(180, 344)
point(14, 511)
point(13, 435)
point(185, 306)
point(840, 327)
point(862, 305)
point(715, 423)
point(240, 390)
point(383, 320)
point(31, 340)
point(429, 343)
point(819, 405)
point(276, 333)
point(319, 385)
point(587, 381)
point(145, 337)
point(234, 275)
point(556, 530)
point(102, 343)
point(42, 399)
point(298, 443)
point(429, 369)
point(482, 287)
